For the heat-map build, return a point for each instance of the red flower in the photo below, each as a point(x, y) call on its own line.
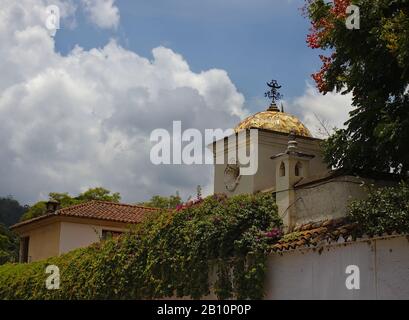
point(274, 233)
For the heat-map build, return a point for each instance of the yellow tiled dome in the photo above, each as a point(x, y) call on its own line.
point(274, 120)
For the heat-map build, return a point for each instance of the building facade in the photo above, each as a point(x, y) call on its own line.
point(62, 230)
point(290, 166)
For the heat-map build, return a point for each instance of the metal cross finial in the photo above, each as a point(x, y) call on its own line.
point(273, 93)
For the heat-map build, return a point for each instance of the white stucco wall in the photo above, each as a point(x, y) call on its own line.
point(328, 199)
point(43, 242)
point(269, 143)
point(311, 274)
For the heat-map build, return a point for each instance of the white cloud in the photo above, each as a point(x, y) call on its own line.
point(81, 120)
point(102, 13)
point(312, 108)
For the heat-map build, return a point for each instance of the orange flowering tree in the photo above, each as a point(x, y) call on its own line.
point(372, 63)
point(324, 19)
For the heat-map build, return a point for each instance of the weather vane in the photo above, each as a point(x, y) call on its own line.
point(273, 93)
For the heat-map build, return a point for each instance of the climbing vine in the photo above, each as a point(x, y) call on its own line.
point(215, 245)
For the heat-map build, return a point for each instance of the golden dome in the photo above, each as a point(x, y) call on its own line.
point(274, 120)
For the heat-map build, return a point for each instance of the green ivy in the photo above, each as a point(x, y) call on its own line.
point(217, 244)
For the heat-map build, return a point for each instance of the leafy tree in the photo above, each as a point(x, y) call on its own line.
point(99, 194)
point(10, 211)
point(36, 210)
point(64, 199)
point(157, 201)
point(372, 63)
point(8, 245)
point(67, 200)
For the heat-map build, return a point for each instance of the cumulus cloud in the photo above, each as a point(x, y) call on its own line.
point(84, 119)
point(102, 13)
point(321, 113)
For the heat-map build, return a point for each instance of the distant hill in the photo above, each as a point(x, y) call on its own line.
point(10, 211)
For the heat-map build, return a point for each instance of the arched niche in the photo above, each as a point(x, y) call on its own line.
point(298, 169)
point(282, 169)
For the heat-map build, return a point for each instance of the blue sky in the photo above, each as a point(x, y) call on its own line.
point(253, 40)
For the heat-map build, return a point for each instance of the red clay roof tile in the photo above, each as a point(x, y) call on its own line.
point(100, 210)
point(311, 234)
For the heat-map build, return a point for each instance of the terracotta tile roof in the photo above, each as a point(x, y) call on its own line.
point(100, 210)
point(312, 234)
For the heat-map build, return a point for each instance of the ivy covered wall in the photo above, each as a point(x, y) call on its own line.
point(170, 253)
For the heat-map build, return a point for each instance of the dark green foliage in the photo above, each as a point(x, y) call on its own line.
point(99, 194)
point(66, 200)
point(10, 211)
point(372, 63)
point(36, 210)
point(171, 253)
point(8, 245)
point(386, 210)
point(157, 201)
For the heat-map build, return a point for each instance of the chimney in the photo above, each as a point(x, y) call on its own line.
point(52, 206)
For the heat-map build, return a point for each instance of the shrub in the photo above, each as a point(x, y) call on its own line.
point(386, 210)
point(8, 245)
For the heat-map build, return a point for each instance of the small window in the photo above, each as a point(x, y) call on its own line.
point(109, 234)
point(298, 169)
point(282, 169)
